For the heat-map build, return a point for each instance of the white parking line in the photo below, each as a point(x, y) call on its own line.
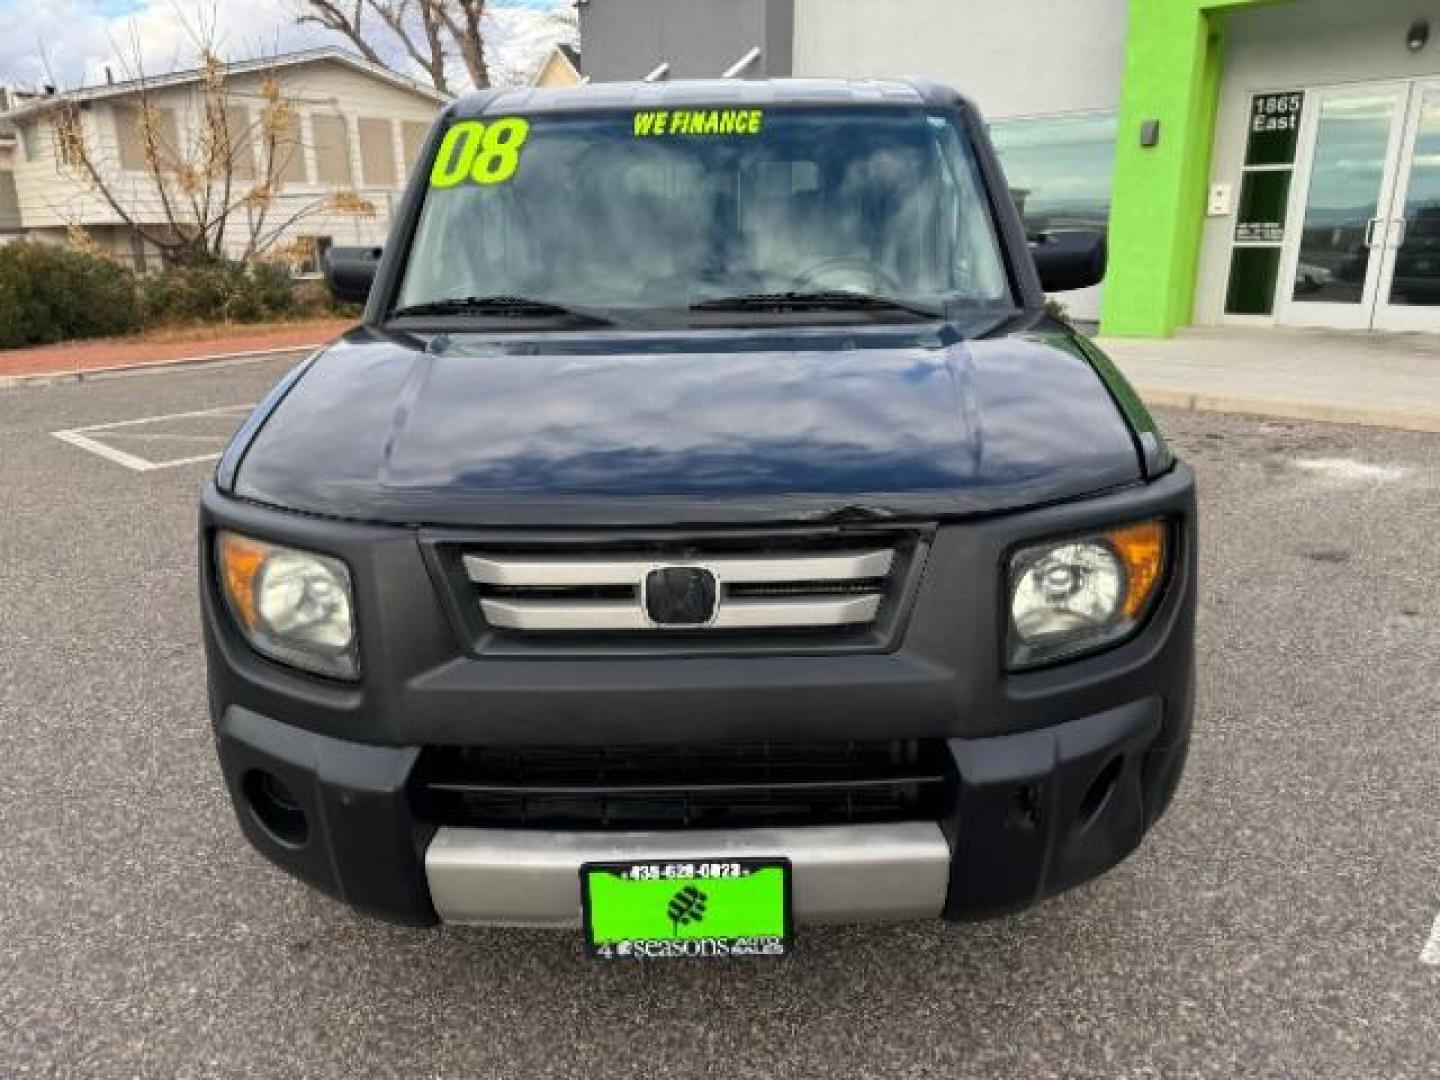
point(86, 438)
point(1431, 953)
point(119, 457)
point(1347, 470)
point(163, 436)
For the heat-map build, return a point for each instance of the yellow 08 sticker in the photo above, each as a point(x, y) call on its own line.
point(479, 152)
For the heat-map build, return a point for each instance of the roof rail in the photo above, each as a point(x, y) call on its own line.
point(734, 70)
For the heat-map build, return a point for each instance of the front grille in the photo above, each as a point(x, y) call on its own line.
point(797, 590)
point(761, 590)
point(643, 788)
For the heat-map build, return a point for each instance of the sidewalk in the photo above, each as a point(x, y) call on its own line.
point(1381, 380)
point(92, 357)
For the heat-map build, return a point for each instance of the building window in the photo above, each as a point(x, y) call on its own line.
point(70, 145)
point(1060, 169)
point(130, 135)
point(303, 255)
point(241, 141)
point(332, 150)
point(282, 136)
point(1270, 148)
point(377, 152)
point(9, 202)
point(413, 134)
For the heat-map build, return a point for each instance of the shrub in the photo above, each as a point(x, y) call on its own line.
point(273, 289)
point(313, 298)
point(205, 292)
point(50, 294)
point(220, 292)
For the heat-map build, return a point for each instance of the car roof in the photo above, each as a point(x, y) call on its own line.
point(709, 93)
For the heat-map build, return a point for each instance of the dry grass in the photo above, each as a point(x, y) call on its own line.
point(164, 335)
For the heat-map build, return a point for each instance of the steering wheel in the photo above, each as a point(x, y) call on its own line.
point(880, 280)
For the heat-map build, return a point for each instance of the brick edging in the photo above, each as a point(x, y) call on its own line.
point(151, 367)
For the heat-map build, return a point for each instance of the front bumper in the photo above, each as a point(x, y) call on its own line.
point(1051, 776)
point(1026, 816)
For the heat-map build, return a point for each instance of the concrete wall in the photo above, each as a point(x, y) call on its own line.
point(627, 39)
point(1012, 57)
point(779, 41)
point(1292, 46)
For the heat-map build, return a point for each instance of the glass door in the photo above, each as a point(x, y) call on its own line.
point(1409, 291)
point(1332, 264)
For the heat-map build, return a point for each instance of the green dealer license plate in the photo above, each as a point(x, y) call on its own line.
point(711, 908)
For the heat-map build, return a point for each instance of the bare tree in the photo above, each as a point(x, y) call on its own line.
point(207, 196)
point(427, 31)
point(342, 18)
point(462, 19)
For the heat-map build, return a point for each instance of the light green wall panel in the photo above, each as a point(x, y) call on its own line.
point(1173, 57)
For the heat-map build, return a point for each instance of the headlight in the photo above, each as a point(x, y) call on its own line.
point(293, 606)
point(1081, 594)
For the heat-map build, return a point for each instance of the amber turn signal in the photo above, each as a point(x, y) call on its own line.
point(240, 561)
point(1142, 549)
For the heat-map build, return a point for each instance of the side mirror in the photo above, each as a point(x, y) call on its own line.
point(350, 272)
point(1069, 260)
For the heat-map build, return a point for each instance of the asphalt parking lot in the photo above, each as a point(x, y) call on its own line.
point(1274, 925)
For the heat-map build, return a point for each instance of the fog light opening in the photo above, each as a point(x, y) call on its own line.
point(1098, 795)
point(1025, 807)
point(275, 807)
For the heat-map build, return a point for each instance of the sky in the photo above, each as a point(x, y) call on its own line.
point(70, 42)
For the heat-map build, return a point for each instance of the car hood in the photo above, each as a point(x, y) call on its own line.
point(640, 429)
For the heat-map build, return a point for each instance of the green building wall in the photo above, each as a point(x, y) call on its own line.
point(1174, 54)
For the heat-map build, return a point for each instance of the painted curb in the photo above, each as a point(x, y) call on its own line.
point(1424, 420)
point(154, 367)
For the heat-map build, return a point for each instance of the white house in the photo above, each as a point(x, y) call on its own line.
point(358, 131)
point(562, 67)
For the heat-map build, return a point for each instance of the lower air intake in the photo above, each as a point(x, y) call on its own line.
point(645, 788)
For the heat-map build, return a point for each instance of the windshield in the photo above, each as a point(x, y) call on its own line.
point(677, 208)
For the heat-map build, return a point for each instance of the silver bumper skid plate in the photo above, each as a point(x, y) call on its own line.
point(842, 874)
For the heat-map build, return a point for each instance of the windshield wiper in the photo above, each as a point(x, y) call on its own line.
point(828, 299)
point(501, 306)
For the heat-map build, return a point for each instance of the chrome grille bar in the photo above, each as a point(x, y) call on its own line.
point(579, 615)
point(518, 571)
point(797, 614)
point(568, 615)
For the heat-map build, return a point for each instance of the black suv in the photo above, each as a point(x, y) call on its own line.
point(705, 531)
